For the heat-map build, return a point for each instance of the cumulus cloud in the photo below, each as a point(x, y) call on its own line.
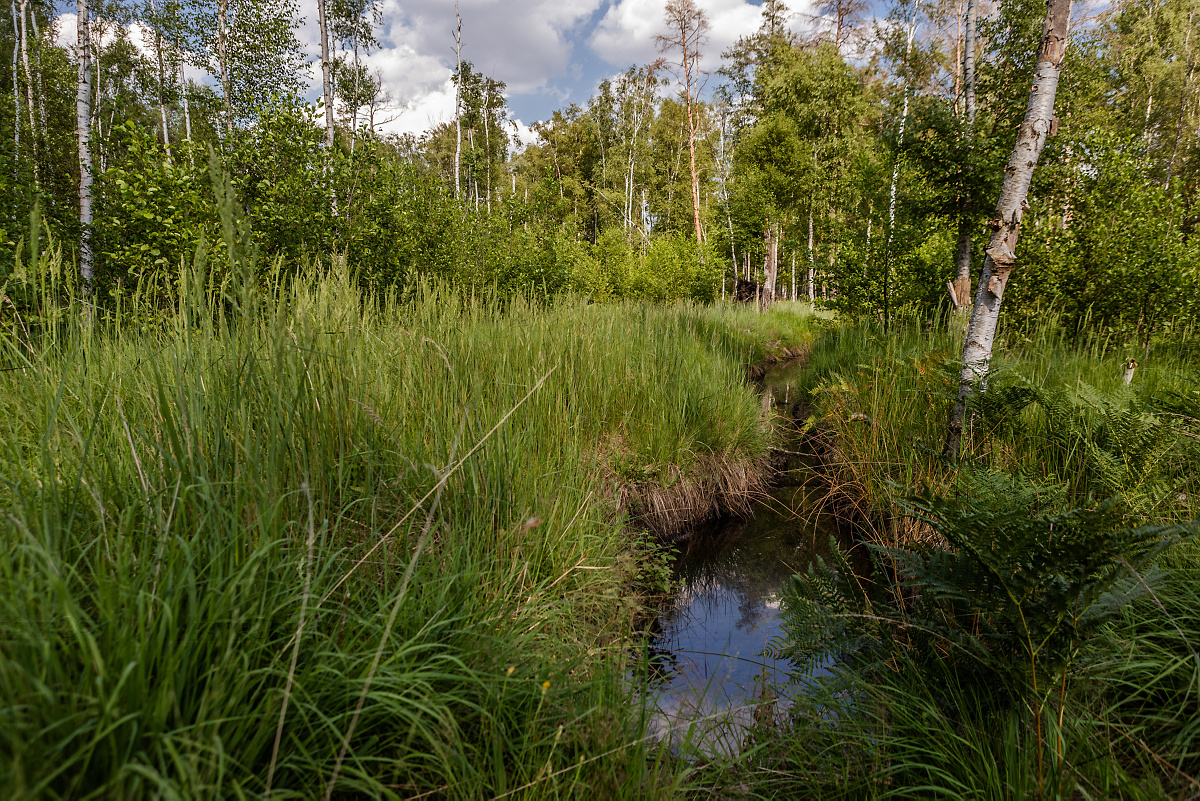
point(625, 34)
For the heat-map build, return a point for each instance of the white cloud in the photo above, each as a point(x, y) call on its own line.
point(422, 112)
point(66, 31)
point(626, 33)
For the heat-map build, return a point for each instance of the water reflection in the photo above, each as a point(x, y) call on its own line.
point(706, 658)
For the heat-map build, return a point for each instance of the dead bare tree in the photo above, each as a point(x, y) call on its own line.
point(688, 26)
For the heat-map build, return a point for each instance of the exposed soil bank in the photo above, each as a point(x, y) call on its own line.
point(717, 487)
point(714, 487)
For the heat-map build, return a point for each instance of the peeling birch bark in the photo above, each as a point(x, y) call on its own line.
point(1037, 125)
point(960, 289)
point(83, 130)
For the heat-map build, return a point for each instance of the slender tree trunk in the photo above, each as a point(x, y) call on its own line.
point(793, 275)
point(812, 263)
point(1187, 85)
point(958, 59)
point(689, 26)
point(458, 103)
point(691, 120)
point(223, 54)
point(1038, 124)
point(16, 84)
point(29, 105)
point(162, 78)
point(969, 61)
point(83, 117)
point(187, 114)
point(326, 82)
point(960, 290)
point(354, 105)
point(41, 78)
point(487, 145)
point(1149, 105)
point(887, 259)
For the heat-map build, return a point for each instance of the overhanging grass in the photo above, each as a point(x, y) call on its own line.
point(179, 497)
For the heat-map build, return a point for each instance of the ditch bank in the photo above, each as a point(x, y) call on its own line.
point(673, 502)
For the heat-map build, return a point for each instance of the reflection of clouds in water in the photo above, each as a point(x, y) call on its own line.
point(707, 657)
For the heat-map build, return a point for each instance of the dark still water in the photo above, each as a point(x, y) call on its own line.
point(709, 677)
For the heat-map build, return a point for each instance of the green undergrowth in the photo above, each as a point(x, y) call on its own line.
point(1028, 624)
point(286, 535)
point(1056, 412)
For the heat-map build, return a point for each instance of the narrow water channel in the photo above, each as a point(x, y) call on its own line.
point(709, 678)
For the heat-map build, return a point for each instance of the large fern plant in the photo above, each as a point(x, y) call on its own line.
point(1106, 445)
point(1005, 603)
point(1011, 596)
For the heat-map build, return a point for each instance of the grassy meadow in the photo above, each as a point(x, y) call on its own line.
point(282, 538)
point(301, 540)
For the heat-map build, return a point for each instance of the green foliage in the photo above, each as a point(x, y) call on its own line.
point(316, 497)
point(150, 215)
point(1022, 592)
point(983, 625)
point(1108, 252)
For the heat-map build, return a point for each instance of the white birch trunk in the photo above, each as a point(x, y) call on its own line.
point(83, 130)
point(33, 131)
point(16, 85)
point(793, 275)
point(326, 82)
point(960, 290)
point(41, 78)
point(162, 78)
point(457, 102)
point(812, 263)
point(887, 277)
point(223, 54)
point(187, 114)
point(969, 60)
point(1038, 124)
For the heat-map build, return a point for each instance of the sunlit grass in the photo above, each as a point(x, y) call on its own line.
point(388, 514)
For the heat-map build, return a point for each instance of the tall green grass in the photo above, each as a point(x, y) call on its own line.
point(282, 532)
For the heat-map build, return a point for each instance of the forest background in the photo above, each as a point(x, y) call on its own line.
point(847, 150)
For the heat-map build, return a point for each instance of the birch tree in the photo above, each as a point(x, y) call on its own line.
point(457, 101)
point(252, 47)
point(1000, 259)
point(326, 81)
point(960, 290)
point(83, 132)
